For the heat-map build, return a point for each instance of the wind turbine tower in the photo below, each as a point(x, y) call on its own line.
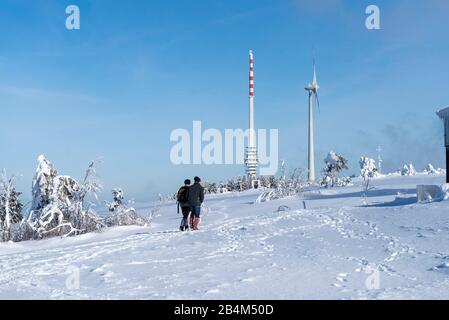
point(251, 150)
point(312, 89)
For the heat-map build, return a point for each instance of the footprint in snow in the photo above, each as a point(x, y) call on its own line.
point(442, 267)
point(392, 256)
point(212, 291)
point(102, 267)
point(341, 279)
point(247, 280)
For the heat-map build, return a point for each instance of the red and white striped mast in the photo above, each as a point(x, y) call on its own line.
point(251, 150)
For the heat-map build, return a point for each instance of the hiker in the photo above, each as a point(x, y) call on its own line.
point(196, 198)
point(183, 202)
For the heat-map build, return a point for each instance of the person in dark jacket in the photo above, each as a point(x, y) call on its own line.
point(196, 198)
point(183, 202)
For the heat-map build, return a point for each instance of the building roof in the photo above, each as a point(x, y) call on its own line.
point(443, 113)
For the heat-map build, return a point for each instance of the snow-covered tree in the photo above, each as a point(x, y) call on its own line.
point(213, 188)
point(231, 185)
point(273, 182)
point(121, 213)
point(368, 171)
point(408, 170)
point(206, 187)
point(10, 206)
point(222, 188)
point(334, 164)
point(242, 184)
point(42, 186)
point(283, 182)
point(210, 187)
point(289, 184)
point(60, 205)
point(430, 169)
point(265, 182)
point(118, 198)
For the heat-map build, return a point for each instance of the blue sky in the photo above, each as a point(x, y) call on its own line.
point(136, 70)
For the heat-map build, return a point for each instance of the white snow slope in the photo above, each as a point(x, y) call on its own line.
point(336, 248)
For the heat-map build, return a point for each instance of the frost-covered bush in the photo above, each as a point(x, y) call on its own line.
point(118, 198)
point(242, 184)
point(273, 182)
point(286, 185)
point(334, 164)
point(368, 170)
point(60, 205)
point(214, 188)
point(231, 185)
point(222, 188)
point(408, 170)
point(430, 169)
point(264, 182)
point(121, 213)
point(328, 182)
point(10, 207)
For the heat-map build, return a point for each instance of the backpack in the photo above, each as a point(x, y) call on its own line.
point(183, 195)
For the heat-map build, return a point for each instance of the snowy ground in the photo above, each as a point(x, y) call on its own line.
point(330, 250)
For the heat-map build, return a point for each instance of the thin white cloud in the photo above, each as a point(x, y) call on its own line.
point(41, 93)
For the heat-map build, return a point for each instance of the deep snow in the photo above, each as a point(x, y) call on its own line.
point(253, 251)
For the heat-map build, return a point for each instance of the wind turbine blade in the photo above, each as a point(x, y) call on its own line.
point(317, 101)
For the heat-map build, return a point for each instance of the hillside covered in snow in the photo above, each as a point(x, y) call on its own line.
point(323, 244)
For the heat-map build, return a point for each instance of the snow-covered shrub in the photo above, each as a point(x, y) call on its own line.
point(432, 193)
point(286, 185)
point(23, 231)
point(343, 182)
point(430, 169)
point(222, 188)
point(445, 192)
point(213, 188)
point(121, 213)
point(242, 184)
point(10, 207)
point(334, 164)
point(210, 188)
point(60, 205)
point(264, 182)
point(155, 210)
point(368, 171)
point(273, 182)
point(231, 185)
point(408, 170)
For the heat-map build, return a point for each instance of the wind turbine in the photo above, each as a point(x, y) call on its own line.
point(312, 88)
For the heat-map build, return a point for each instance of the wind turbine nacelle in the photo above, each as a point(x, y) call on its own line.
point(314, 89)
